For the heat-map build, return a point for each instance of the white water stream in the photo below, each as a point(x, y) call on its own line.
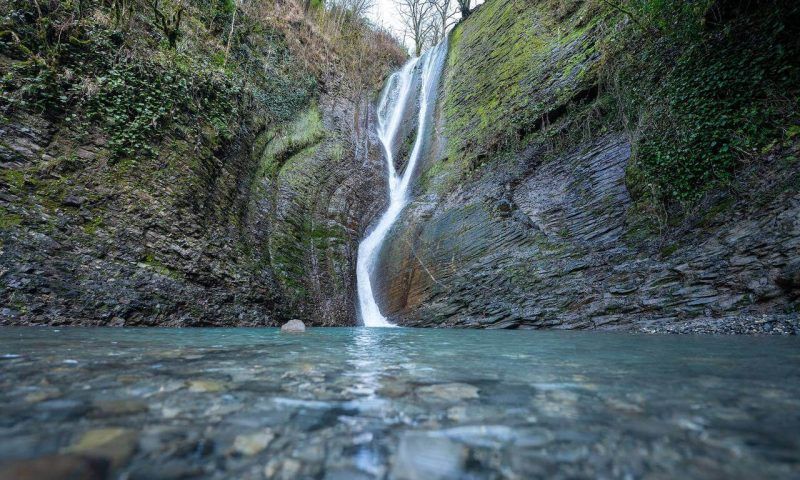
point(391, 110)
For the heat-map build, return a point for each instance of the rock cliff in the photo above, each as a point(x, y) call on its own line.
point(532, 210)
point(225, 181)
point(593, 164)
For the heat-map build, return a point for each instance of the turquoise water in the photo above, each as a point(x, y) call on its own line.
point(403, 403)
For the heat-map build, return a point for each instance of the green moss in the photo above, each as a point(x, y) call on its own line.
point(668, 250)
point(558, 74)
point(336, 152)
point(707, 97)
point(287, 141)
point(503, 63)
point(154, 264)
point(15, 179)
point(8, 219)
point(720, 208)
point(91, 227)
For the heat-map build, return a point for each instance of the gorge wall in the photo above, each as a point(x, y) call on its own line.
point(222, 181)
point(592, 165)
point(547, 202)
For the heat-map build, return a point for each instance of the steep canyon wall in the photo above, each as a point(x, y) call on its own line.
point(185, 186)
point(528, 213)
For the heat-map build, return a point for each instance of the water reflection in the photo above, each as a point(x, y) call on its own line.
point(378, 403)
point(367, 362)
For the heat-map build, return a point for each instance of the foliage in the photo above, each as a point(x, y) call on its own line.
point(69, 65)
point(702, 87)
point(501, 88)
point(710, 87)
point(131, 103)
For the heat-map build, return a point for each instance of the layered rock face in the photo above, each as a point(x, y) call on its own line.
point(233, 237)
point(321, 199)
point(247, 215)
point(514, 227)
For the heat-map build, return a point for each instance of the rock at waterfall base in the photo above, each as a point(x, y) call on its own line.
point(293, 326)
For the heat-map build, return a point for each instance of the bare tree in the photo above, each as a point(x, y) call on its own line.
point(169, 20)
point(417, 16)
point(359, 8)
point(354, 9)
point(446, 16)
point(230, 32)
point(466, 7)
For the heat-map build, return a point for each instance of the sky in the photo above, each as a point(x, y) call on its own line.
point(385, 14)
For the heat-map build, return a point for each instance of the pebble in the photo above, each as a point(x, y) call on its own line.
point(42, 395)
point(114, 408)
point(254, 443)
point(205, 386)
point(430, 457)
point(56, 467)
point(393, 390)
point(115, 444)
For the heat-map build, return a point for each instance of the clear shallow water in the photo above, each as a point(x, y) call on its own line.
point(402, 403)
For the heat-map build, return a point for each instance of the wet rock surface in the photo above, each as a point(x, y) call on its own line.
point(395, 403)
point(524, 215)
point(293, 326)
point(566, 258)
point(199, 238)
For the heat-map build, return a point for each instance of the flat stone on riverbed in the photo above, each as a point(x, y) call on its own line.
point(448, 391)
point(421, 455)
point(205, 386)
point(293, 326)
point(115, 444)
point(114, 408)
point(253, 444)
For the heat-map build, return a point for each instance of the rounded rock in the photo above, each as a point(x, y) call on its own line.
point(293, 326)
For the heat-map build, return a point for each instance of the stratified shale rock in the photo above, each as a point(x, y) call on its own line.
point(537, 235)
point(146, 188)
point(237, 238)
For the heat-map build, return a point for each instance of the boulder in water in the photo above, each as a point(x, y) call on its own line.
point(294, 326)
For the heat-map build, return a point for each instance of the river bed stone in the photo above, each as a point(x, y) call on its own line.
point(399, 403)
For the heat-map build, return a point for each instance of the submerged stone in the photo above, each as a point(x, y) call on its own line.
point(114, 408)
point(448, 391)
point(253, 443)
point(294, 326)
point(431, 457)
point(115, 444)
point(205, 386)
point(56, 467)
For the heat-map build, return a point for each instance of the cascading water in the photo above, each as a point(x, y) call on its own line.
point(390, 116)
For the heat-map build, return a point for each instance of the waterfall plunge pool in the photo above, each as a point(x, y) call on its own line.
point(348, 403)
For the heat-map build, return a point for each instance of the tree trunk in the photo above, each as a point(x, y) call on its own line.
point(465, 10)
point(230, 34)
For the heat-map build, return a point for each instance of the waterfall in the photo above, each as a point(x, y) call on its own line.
point(391, 108)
